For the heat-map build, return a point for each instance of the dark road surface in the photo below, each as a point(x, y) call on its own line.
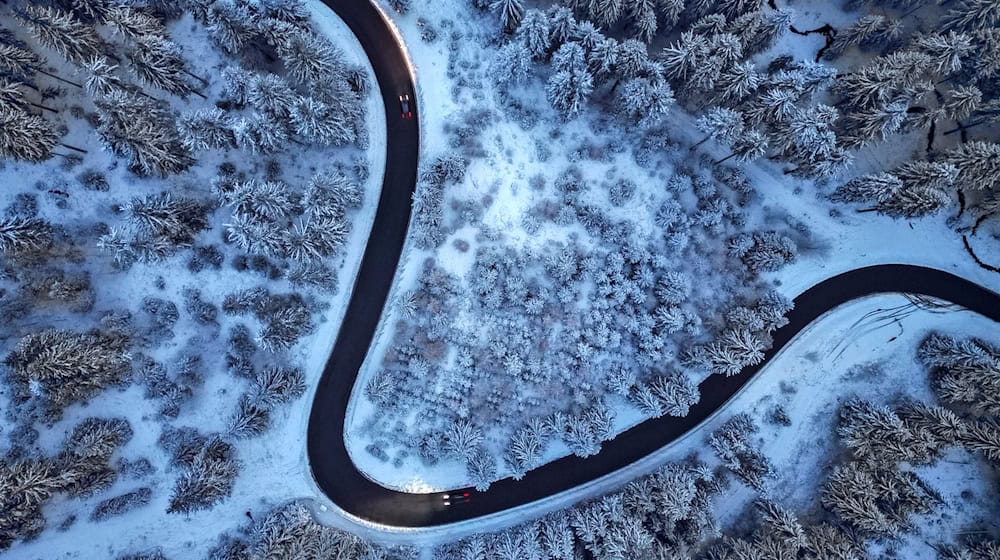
point(332, 467)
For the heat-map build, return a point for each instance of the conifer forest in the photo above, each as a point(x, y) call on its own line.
point(500, 279)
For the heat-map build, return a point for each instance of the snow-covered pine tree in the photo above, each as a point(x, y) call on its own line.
point(134, 24)
point(978, 165)
point(311, 60)
point(721, 123)
point(158, 62)
point(633, 59)
point(861, 32)
point(60, 31)
point(254, 236)
point(19, 236)
point(231, 25)
point(206, 129)
point(101, 78)
point(947, 52)
point(314, 238)
point(174, 219)
point(92, 10)
point(603, 58)
point(481, 468)
point(26, 137)
point(982, 436)
point(63, 367)
point(143, 131)
point(271, 95)
point(562, 25)
point(331, 194)
point(737, 82)
point(18, 63)
point(13, 99)
point(646, 100)
point(868, 125)
point(644, 20)
point(510, 13)
point(534, 32)
point(683, 57)
point(750, 145)
point(207, 480)
point(291, 11)
point(878, 188)
point(320, 123)
point(250, 419)
point(260, 134)
point(972, 15)
point(962, 101)
point(238, 82)
point(568, 91)
point(269, 201)
point(588, 35)
point(512, 63)
point(284, 326)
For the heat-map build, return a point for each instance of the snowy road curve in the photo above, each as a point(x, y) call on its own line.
point(332, 467)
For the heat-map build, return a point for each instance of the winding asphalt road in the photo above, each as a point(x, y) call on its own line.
point(332, 467)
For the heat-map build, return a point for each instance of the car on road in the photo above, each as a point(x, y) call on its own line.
point(456, 498)
point(405, 106)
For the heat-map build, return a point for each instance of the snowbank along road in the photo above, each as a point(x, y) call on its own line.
point(332, 467)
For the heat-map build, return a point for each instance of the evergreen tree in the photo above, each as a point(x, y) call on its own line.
point(311, 60)
point(92, 10)
point(646, 100)
point(330, 194)
point(271, 95)
point(63, 367)
point(133, 24)
point(737, 82)
point(319, 123)
point(206, 129)
point(143, 131)
point(862, 32)
point(972, 15)
point(20, 235)
point(534, 32)
point(879, 123)
point(26, 137)
point(962, 102)
point(208, 479)
point(721, 123)
point(510, 13)
point(481, 468)
point(946, 51)
point(603, 58)
point(683, 57)
point(978, 165)
point(568, 91)
point(562, 25)
point(19, 63)
point(75, 40)
point(260, 135)
point(644, 21)
point(158, 63)
point(512, 63)
point(101, 78)
point(231, 25)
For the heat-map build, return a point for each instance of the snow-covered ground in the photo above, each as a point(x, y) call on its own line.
point(274, 467)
